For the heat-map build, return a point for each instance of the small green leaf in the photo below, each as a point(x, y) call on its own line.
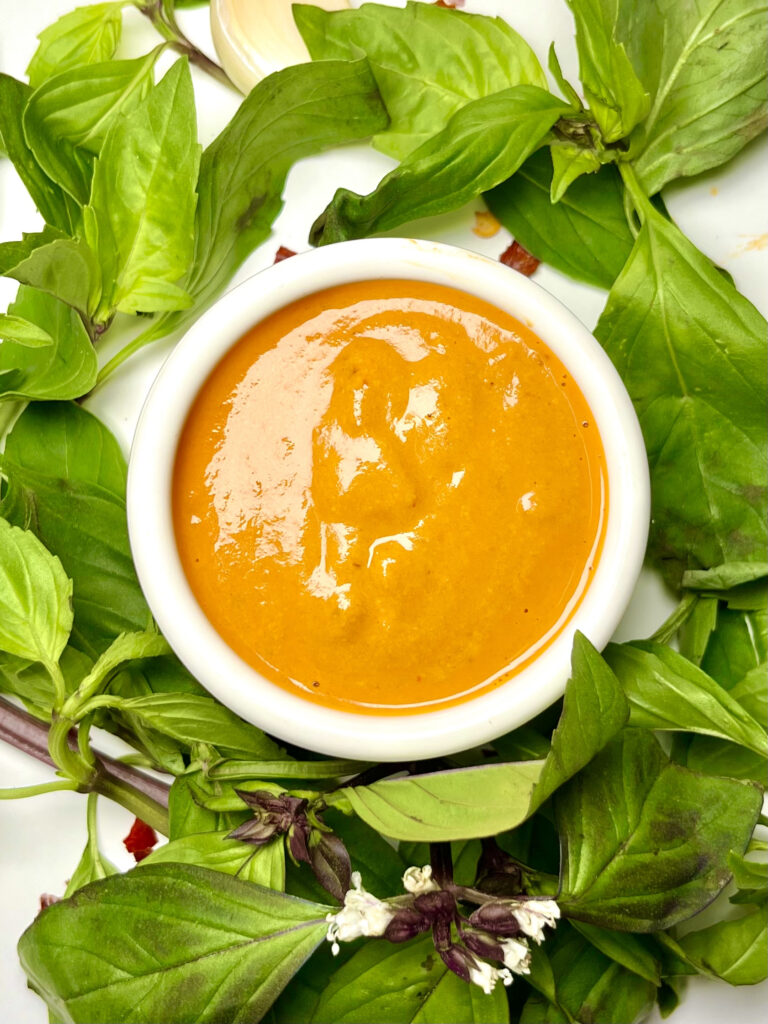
point(645, 842)
point(584, 235)
point(482, 145)
point(51, 262)
point(93, 865)
point(736, 950)
point(612, 89)
point(724, 577)
point(634, 952)
point(264, 865)
point(427, 62)
point(32, 683)
point(694, 635)
point(141, 214)
point(64, 368)
point(666, 691)
point(192, 945)
point(86, 35)
point(569, 162)
point(23, 332)
point(35, 598)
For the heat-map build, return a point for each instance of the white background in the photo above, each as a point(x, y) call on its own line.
point(725, 213)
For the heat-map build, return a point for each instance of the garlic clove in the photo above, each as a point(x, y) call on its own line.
point(253, 38)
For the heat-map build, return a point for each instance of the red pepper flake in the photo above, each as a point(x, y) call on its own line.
point(283, 254)
point(140, 840)
point(47, 900)
point(519, 259)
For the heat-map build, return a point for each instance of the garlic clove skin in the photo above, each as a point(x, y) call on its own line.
point(253, 38)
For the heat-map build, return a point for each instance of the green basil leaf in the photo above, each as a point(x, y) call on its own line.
point(192, 719)
point(569, 162)
point(428, 62)
point(691, 352)
point(65, 368)
point(49, 261)
point(93, 865)
point(750, 878)
point(23, 332)
point(707, 83)
point(86, 35)
point(614, 92)
point(67, 119)
point(192, 945)
point(32, 683)
point(54, 204)
point(724, 577)
point(381, 866)
point(66, 480)
point(404, 984)
point(584, 235)
point(736, 951)
point(645, 841)
point(718, 757)
point(634, 952)
point(482, 144)
point(752, 692)
point(264, 865)
point(589, 986)
point(126, 647)
point(666, 691)
point(144, 240)
point(289, 115)
point(35, 598)
point(296, 770)
point(694, 635)
point(187, 817)
point(738, 644)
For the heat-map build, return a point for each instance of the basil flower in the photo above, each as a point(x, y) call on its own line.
point(516, 955)
point(534, 916)
point(362, 915)
point(485, 975)
point(419, 880)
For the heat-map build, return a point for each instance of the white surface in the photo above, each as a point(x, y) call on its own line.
point(725, 213)
point(436, 731)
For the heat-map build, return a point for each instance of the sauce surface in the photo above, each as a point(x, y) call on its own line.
point(389, 496)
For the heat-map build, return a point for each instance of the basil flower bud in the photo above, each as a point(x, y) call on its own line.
point(510, 917)
point(362, 915)
point(482, 944)
point(406, 924)
point(419, 880)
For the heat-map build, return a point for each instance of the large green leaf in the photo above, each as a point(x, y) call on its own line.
point(736, 950)
point(35, 598)
point(428, 62)
point(65, 368)
point(31, 681)
point(584, 235)
point(707, 81)
point(86, 35)
point(53, 203)
point(666, 691)
point(482, 145)
point(615, 94)
point(66, 481)
point(141, 214)
point(407, 984)
point(192, 944)
point(288, 116)
point(646, 842)
point(691, 352)
point(67, 119)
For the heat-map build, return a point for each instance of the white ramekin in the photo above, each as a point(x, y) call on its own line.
point(215, 664)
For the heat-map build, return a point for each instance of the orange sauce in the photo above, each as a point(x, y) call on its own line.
point(389, 496)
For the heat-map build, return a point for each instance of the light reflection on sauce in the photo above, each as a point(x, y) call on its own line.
point(385, 496)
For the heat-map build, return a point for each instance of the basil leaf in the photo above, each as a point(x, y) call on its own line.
point(404, 984)
point(35, 598)
point(192, 719)
point(187, 817)
point(634, 952)
point(381, 866)
point(23, 332)
point(645, 841)
point(66, 480)
point(144, 240)
point(614, 92)
point(750, 878)
point(589, 986)
point(53, 203)
point(86, 35)
point(752, 692)
point(428, 62)
point(483, 144)
point(736, 951)
point(65, 368)
point(93, 865)
point(192, 945)
point(666, 691)
point(67, 119)
point(691, 352)
point(584, 235)
point(569, 162)
point(290, 115)
point(264, 865)
point(694, 635)
point(707, 83)
point(32, 683)
point(481, 801)
point(51, 262)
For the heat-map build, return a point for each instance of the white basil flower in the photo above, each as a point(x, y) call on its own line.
point(534, 916)
point(362, 915)
point(517, 955)
point(486, 976)
point(419, 880)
